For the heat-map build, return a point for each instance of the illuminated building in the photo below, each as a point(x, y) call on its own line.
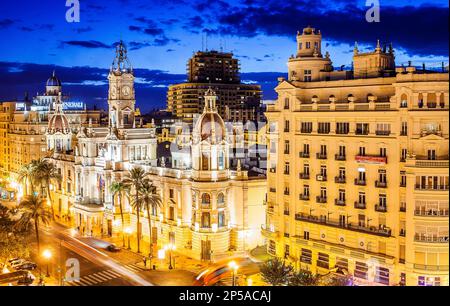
point(358, 167)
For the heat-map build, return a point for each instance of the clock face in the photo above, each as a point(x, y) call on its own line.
point(126, 91)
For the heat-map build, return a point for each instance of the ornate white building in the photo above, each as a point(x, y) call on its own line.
point(209, 210)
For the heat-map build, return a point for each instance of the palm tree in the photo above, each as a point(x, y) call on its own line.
point(26, 174)
point(151, 200)
point(117, 188)
point(47, 173)
point(276, 272)
point(33, 212)
point(134, 181)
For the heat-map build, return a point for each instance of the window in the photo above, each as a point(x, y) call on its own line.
point(272, 247)
point(171, 193)
point(362, 197)
point(362, 129)
point(306, 190)
point(286, 250)
point(404, 129)
point(382, 176)
point(323, 192)
point(342, 151)
point(306, 127)
point(221, 219)
point(383, 152)
point(306, 256)
point(382, 275)
point(323, 260)
point(431, 154)
point(342, 263)
point(206, 199)
point(307, 75)
point(306, 169)
point(383, 129)
point(403, 154)
point(361, 220)
point(220, 199)
point(171, 213)
point(342, 195)
point(362, 151)
point(286, 103)
point(342, 172)
point(323, 170)
point(342, 127)
point(308, 45)
point(306, 148)
point(323, 149)
point(286, 168)
point(429, 281)
point(361, 269)
point(286, 147)
point(206, 219)
point(286, 126)
point(306, 235)
point(324, 128)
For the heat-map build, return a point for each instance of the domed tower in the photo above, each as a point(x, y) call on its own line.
point(59, 134)
point(209, 143)
point(121, 98)
point(309, 62)
point(53, 86)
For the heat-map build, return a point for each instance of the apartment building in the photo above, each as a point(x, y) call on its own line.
point(358, 168)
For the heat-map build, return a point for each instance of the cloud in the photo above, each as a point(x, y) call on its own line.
point(89, 44)
point(419, 30)
point(6, 23)
point(89, 84)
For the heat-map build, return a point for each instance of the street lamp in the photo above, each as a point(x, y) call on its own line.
point(234, 267)
point(170, 247)
point(128, 231)
point(47, 254)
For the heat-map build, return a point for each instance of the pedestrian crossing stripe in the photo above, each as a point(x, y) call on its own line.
point(96, 278)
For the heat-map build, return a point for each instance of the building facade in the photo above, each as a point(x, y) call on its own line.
point(358, 168)
point(236, 101)
point(209, 210)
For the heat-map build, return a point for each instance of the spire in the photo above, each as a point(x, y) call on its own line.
point(391, 49)
point(355, 48)
point(121, 62)
point(378, 48)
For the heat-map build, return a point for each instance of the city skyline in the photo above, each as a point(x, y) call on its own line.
point(160, 46)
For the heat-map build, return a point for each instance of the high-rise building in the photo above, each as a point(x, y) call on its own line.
point(219, 71)
point(358, 180)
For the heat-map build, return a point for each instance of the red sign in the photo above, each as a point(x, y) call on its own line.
point(371, 159)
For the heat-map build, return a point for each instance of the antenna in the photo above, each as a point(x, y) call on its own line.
point(206, 41)
point(203, 42)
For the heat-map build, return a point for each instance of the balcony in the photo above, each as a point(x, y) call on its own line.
point(340, 157)
point(286, 192)
point(286, 152)
point(320, 199)
point(304, 176)
point(267, 232)
point(382, 133)
point(303, 154)
point(304, 197)
point(359, 182)
point(380, 208)
point(402, 208)
point(306, 131)
point(339, 179)
point(323, 131)
point(380, 184)
point(431, 187)
point(339, 202)
point(402, 184)
point(321, 155)
point(286, 212)
point(385, 232)
point(402, 233)
point(431, 212)
point(371, 159)
point(431, 239)
point(361, 132)
point(321, 178)
point(273, 170)
point(359, 205)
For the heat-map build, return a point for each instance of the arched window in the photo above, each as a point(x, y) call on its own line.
point(349, 97)
point(221, 219)
point(404, 101)
point(369, 96)
point(206, 199)
point(331, 98)
point(220, 199)
point(206, 220)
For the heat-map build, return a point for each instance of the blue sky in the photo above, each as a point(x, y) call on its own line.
point(163, 34)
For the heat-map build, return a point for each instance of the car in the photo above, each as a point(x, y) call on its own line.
point(26, 280)
point(27, 266)
point(17, 263)
point(113, 248)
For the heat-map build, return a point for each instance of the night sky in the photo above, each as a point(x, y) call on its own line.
point(162, 34)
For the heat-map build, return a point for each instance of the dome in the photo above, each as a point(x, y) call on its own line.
point(53, 80)
point(211, 126)
point(58, 123)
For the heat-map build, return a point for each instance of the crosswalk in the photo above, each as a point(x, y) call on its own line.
point(102, 277)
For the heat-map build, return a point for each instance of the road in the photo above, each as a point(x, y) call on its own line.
point(97, 268)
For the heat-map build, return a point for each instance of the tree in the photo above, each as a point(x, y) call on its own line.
point(26, 174)
point(134, 181)
point(303, 278)
point(118, 188)
point(46, 173)
point(33, 212)
point(151, 200)
point(13, 242)
point(276, 272)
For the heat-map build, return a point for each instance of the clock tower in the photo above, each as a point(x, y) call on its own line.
point(121, 97)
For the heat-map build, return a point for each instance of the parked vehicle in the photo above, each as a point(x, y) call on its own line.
point(113, 248)
point(27, 266)
point(17, 263)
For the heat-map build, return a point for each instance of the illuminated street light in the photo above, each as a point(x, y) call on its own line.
point(170, 247)
point(234, 267)
point(128, 231)
point(47, 254)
